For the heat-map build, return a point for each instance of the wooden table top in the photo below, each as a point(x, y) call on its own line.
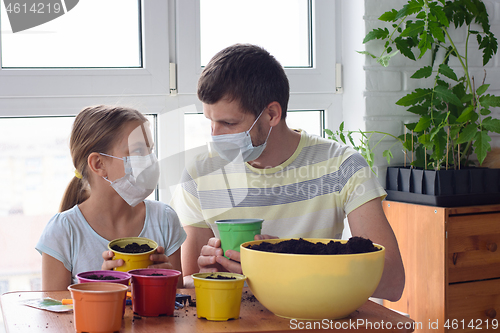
point(254, 317)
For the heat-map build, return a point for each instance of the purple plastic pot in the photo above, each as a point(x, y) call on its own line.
point(123, 277)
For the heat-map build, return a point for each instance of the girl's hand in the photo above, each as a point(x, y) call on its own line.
point(109, 263)
point(160, 260)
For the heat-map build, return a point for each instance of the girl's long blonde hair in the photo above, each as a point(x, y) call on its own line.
point(95, 130)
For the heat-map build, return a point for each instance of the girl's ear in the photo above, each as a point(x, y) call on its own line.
point(96, 164)
point(274, 111)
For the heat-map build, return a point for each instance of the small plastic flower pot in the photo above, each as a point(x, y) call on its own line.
point(234, 232)
point(119, 277)
point(218, 299)
point(132, 260)
point(98, 306)
point(154, 291)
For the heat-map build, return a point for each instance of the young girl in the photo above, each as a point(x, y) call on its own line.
point(116, 169)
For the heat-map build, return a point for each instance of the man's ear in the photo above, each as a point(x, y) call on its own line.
point(274, 111)
point(96, 164)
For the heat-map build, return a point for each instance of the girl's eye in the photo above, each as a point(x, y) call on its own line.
point(143, 151)
point(138, 152)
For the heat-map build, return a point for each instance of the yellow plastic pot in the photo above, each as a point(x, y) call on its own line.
point(98, 306)
point(218, 299)
point(133, 260)
point(311, 287)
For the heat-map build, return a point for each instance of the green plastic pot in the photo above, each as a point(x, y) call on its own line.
point(234, 232)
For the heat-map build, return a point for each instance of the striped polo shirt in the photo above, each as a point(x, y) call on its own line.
point(308, 195)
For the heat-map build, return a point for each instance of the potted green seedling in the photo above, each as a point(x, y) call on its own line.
point(452, 134)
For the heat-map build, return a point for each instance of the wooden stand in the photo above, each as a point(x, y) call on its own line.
point(452, 265)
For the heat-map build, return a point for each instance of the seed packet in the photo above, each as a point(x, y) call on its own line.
point(48, 304)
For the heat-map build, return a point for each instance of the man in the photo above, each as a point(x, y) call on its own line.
point(301, 185)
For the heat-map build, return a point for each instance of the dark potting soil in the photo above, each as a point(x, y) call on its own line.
point(302, 246)
point(156, 274)
point(101, 277)
point(132, 248)
point(220, 277)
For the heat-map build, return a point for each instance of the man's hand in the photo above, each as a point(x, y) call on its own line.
point(207, 261)
point(211, 258)
point(369, 221)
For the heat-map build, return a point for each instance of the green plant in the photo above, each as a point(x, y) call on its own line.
point(365, 146)
point(454, 111)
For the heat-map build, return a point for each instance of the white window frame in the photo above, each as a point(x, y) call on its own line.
point(35, 92)
point(318, 79)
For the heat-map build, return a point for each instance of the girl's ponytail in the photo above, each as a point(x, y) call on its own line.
point(76, 193)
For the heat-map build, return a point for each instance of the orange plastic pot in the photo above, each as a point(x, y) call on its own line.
point(98, 306)
point(121, 277)
point(153, 291)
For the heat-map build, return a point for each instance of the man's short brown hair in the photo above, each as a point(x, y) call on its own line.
point(246, 73)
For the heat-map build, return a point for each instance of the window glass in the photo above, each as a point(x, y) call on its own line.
point(92, 33)
point(282, 27)
point(311, 121)
point(197, 127)
point(36, 168)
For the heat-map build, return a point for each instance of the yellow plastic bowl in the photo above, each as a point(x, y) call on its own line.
point(218, 300)
point(132, 260)
point(311, 287)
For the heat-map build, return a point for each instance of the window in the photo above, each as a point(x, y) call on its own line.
point(310, 24)
point(287, 36)
point(62, 91)
point(94, 33)
point(307, 29)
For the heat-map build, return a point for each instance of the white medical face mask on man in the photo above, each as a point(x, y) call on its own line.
point(230, 146)
point(141, 176)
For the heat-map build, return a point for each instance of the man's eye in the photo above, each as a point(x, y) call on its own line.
point(228, 124)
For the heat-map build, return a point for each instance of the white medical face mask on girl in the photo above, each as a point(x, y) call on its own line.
point(141, 176)
point(230, 146)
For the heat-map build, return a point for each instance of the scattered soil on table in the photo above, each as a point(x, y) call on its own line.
point(132, 248)
point(220, 277)
point(248, 297)
point(302, 246)
point(101, 277)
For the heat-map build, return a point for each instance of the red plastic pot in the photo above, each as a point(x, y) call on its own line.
point(154, 295)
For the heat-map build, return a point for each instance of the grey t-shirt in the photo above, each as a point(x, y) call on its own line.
point(70, 239)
